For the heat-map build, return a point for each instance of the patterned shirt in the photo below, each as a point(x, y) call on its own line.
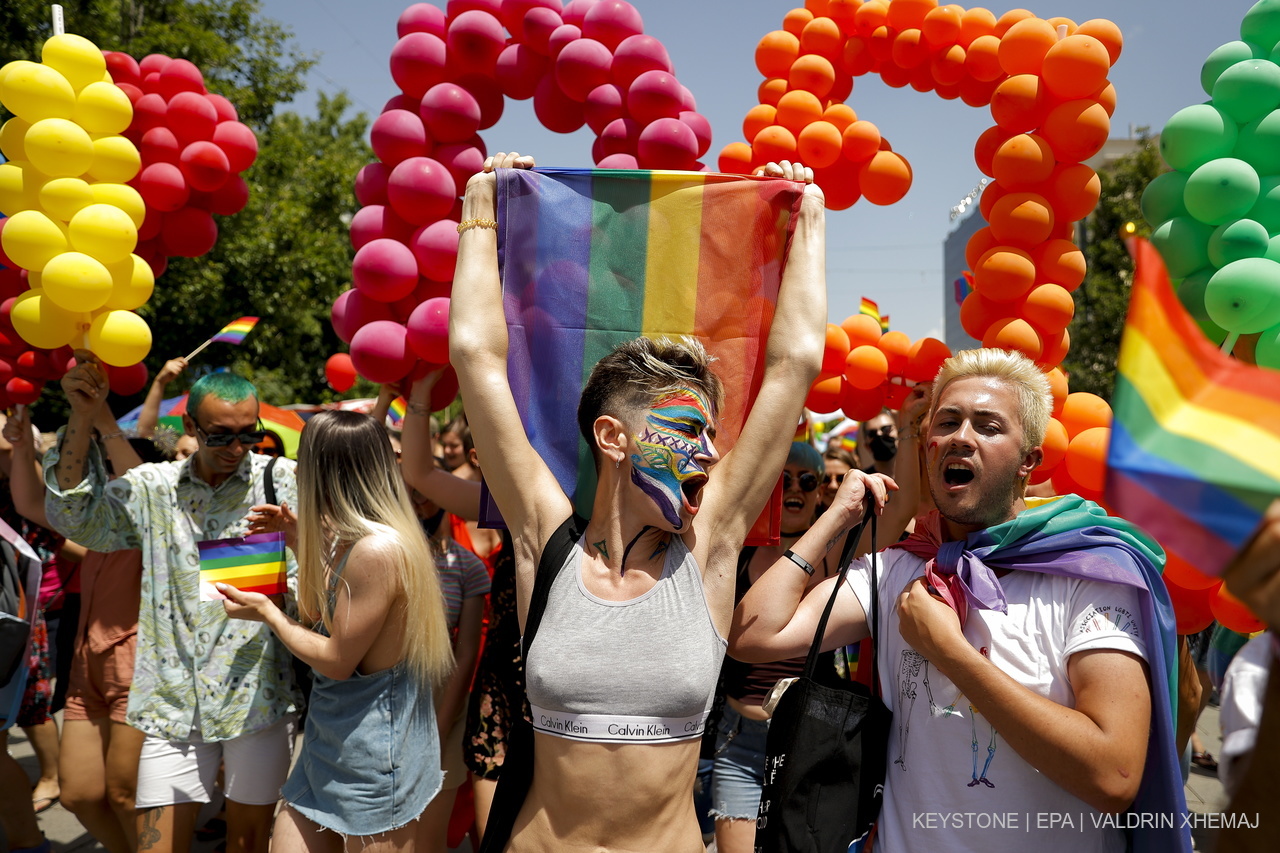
point(199, 675)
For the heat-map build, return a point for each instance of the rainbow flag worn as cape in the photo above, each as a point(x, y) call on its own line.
point(252, 563)
point(235, 331)
point(591, 259)
point(1195, 442)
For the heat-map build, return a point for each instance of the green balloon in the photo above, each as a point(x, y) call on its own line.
point(1239, 239)
point(1261, 24)
point(1191, 294)
point(1244, 296)
point(1259, 144)
point(1183, 242)
point(1162, 199)
point(1248, 90)
point(1267, 353)
point(1222, 190)
point(1223, 58)
point(1267, 208)
point(1273, 250)
point(1195, 135)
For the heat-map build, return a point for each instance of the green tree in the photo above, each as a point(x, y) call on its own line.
point(1102, 301)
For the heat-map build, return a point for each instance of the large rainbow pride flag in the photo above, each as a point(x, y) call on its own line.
point(1195, 443)
point(590, 259)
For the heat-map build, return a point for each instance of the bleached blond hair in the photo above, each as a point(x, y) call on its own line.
point(1035, 398)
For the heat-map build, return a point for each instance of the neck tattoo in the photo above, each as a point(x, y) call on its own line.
point(662, 547)
point(603, 547)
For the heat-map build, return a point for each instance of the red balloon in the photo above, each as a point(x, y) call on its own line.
point(575, 11)
point(181, 75)
point(6, 372)
point(352, 310)
point(163, 187)
point(428, 330)
point(701, 128)
point(475, 39)
point(1191, 607)
point(513, 12)
point(1230, 611)
point(561, 36)
point(238, 142)
point(205, 166)
point(581, 66)
point(188, 233)
point(518, 71)
point(445, 390)
point(338, 370)
point(421, 190)
point(153, 64)
point(21, 392)
point(225, 109)
point(488, 95)
point(418, 18)
point(667, 143)
point(159, 145)
point(149, 111)
point(611, 21)
point(122, 67)
point(126, 381)
point(418, 63)
point(380, 351)
point(191, 117)
point(385, 270)
point(620, 137)
point(462, 159)
point(654, 95)
point(556, 110)
point(618, 161)
point(230, 198)
point(371, 183)
point(539, 23)
point(33, 365)
point(375, 221)
point(450, 112)
point(637, 54)
point(435, 247)
point(397, 135)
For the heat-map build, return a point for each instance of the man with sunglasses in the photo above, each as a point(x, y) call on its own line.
point(207, 690)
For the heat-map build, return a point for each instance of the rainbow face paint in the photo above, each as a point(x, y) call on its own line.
point(673, 450)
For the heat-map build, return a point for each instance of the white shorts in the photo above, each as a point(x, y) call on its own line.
point(174, 772)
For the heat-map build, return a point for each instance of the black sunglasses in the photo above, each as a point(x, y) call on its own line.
point(808, 481)
point(839, 478)
point(224, 439)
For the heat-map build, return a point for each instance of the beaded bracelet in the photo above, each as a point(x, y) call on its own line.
point(468, 224)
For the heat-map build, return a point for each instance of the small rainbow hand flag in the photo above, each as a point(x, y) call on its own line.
point(249, 563)
point(235, 331)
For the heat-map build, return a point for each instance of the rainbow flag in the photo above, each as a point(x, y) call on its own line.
point(1195, 443)
point(235, 331)
point(593, 258)
point(395, 412)
point(872, 310)
point(250, 563)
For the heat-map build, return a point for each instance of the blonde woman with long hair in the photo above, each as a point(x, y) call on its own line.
point(370, 758)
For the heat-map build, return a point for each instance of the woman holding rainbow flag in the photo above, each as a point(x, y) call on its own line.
point(630, 608)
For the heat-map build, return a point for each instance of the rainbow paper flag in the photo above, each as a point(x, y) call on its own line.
point(252, 563)
point(1195, 443)
point(395, 412)
point(872, 310)
point(590, 259)
point(235, 331)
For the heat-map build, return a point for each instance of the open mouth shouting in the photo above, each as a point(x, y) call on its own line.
point(957, 473)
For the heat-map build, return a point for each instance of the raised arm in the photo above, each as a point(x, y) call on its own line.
point(458, 496)
point(86, 388)
point(121, 453)
point(150, 414)
point(531, 501)
point(738, 490)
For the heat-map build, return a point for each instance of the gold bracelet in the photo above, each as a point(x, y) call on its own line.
point(468, 224)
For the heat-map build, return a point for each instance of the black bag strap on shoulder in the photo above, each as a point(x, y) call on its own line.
point(846, 560)
point(269, 481)
point(554, 554)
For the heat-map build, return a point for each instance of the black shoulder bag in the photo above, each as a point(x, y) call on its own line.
point(826, 753)
point(517, 767)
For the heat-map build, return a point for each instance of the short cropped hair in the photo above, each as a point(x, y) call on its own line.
point(637, 372)
point(224, 386)
point(805, 455)
point(1035, 398)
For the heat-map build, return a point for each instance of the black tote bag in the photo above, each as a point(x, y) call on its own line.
point(826, 752)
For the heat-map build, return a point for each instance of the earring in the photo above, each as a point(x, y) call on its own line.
point(617, 463)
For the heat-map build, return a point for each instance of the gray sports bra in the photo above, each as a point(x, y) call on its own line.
point(637, 671)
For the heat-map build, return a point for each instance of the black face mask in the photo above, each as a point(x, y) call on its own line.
point(432, 524)
point(883, 447)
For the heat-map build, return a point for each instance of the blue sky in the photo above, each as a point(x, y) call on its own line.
point(890, 254)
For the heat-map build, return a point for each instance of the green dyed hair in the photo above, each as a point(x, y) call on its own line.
point(225, 386)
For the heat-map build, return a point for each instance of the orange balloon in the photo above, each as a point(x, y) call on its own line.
point(822, 36)
point(773, 144)
point(885, 178)
point(771, 90)
point(984, 150)
point(1059, 21)
point(862, 329)
point(1006, 21)
point(839, 183)
point(840, 115)
point(844, 12)
point(863, 404)
point(735, 159)
point(1054, 350)
point(1076, 67)
point(819, 144)
point(824, 395)
point(758, 118)
point(835, 351)
point(982, 59)
point(1024, 46)
point(1107, 33)
point(1192, 608)
point(979, 244)
point(895, 395)
point(1107, 97)
point(925, 359)
point(1234, 614)
point(871, 16)
point(1054, 445)
point(1083, 411)
point(977, 313)
point(1013, 333)
point(1064, 485)
point(775, 53)
point(1087, 458)
point(1004, 274)
point(841, 89)
point(1022, 219)
point(1185, 575)
point(908, 47)
point(904, 14)
point(949, 91)
point(881, 44)
point(975, 23)
point(987, 201)
point(977, 93)
point(860, 141)
point(794, 21)
point(1063, 230)
point(812, 73)
point(1076, 130)
point(866, 367)
point(1060, 262)
point(817, 7)
point(1048, 307)
point(896, 347)
point(798, 108)
point(1020, 103)
point(921, 78)
point(947, 66)
point(1073, 189)
point(856, 58)
point(1023, 161)
point(1058, 387)
point(941, 27)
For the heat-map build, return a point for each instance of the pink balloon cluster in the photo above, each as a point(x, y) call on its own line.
point(193, 149)
point(587, 62)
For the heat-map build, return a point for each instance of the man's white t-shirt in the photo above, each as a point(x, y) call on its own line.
point(1244, 688)
point(953, 783)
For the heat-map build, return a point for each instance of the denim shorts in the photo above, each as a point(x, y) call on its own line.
point(739, 767)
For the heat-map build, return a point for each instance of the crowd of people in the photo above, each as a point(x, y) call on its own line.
point(597, 683)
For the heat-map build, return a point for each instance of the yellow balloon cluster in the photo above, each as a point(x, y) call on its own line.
point(72, 218)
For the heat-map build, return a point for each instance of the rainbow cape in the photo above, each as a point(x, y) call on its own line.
point(1195, 442)
point(249, 563)
point(590, 259)
point(235, 331)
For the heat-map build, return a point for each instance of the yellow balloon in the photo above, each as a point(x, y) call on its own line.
point(76, 58)
point(59, 147)
point(122, 196)
point(103, 108)
point(32, 239)
point(11, 136)
point(20, 184)
point(42, 323)
point(115, 159)
point(76, 282)
point(104, 231)
point(132, 283)
point(33, 280)
point(63, 198)
point(120, 338)
point(34, 92)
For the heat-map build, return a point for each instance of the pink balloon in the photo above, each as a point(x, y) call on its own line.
point(636, 55)
point(163, 187)
point(620, 136)
point(687, 101)
point(488, 95)
point(428, 331)
point(181, 75)
point(560, 37)
point(402, 102)
point(375, 221)
point(611, 21)
point(153, 64)
point(230, 198)
point(205, 166)
point(238, 142)
point(454, 8)
point(475, 39)
point(539, 23)
point(225, 109)
point(421, 18)
point(435, 247)
point(385, 270)
point(618, 161)
point(127, 380)
point(654, 95)
point(576, 10)
point(581, 66)
point(667, 143)
point(380, 351)
point(701, 128)
point(159, 145)
point(450, 112)
point(122, 67)
point(421, 190)
point(514, 11)
point(418, 63)
point(353, 310)
point(371, 184)
point(191, 117)
point(603, 105)
point(462, 159)
point(518, 71)
point(556, 110)
point(398, 135)
point(149, 111)
point(188, 233)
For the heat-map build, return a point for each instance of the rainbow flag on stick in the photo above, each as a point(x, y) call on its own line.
point(590, 259)
point(1195, 443)
point(251, 563)
point(233, 333)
